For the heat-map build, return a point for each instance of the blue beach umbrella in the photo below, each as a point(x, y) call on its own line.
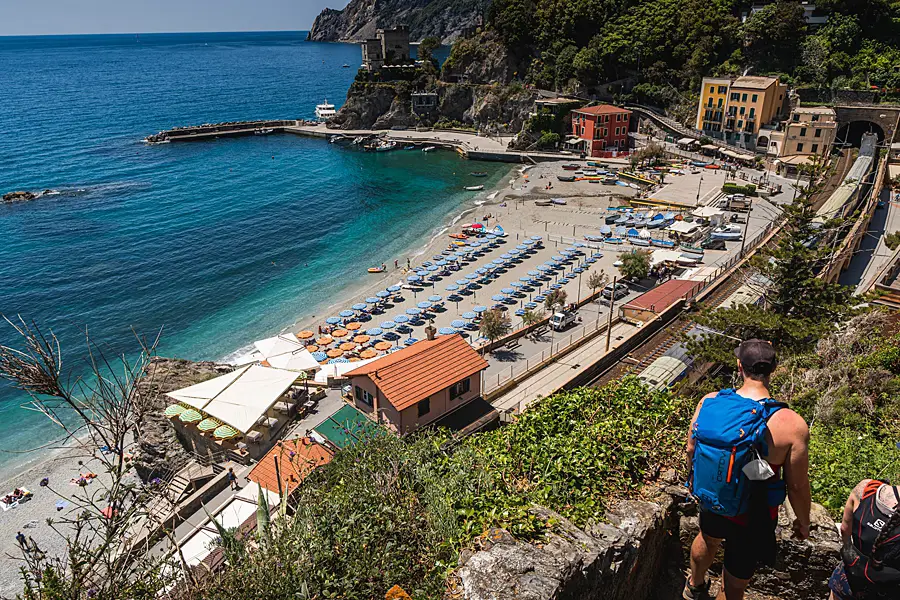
point(427, 263)
point(490, 236)
point(474, 243)
point(514, 252)
point(459, 255)
point(375, 331)
point(469, 315)
point(543, 268)
point(319, 356)
point(372, 300)
point(458, 323)
point(479, 309)
point(522, 247)
point(520, 312)
point(413, 311)
point(578, 270)
point(434, 298)
point(482, 271)
point(437, 257)
point(412, 278)
point(462, 282)
point(359, 306)
point(424, 305)
point(530, 305)
point(394, 289)
point(516, 284)
point(452, 287)
point(506, 255)
point(471, 276)
point(446, 331)
point(531, 273)
point(527, 279)
point(557, 257)
point(441, 263)
point(578, 245)
point(536, 238)
point(498, 261)
point(333, 320)
point(347, 313)
point(528, 242)
point(508, 291)
point(383, 294)
point(433, 268)
point(401, 319)
point(498, 297)
point(388, 325)
point(555, 286)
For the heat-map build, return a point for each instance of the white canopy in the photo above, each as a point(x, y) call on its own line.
point(284, 352)
point(337, 370)
point(707, 212)
point(685, 141)
point(683, 227)
point(239, 398)
point(664, 255)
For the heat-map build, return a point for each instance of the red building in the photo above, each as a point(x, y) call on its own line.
point(602, 129)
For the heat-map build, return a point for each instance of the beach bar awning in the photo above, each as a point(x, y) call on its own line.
point(238, 398)
point(686, 141)
point(663, 255)
point(683, 227)
point(285, 352)
point(709, 147)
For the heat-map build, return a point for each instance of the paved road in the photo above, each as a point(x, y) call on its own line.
point(873, 253)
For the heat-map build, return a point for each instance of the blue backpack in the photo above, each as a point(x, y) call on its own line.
point(728, 433)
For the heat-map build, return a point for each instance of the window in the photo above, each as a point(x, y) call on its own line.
point(740, 124)
point(800, 147)
point(796, 117)
point(773, 145)
point(618, 130)
point(803, 132)
point(743, 109)
point(709, 102)
point(424, 407)
point(818, 133)
point(735, 96)
point(743, 97)
point(458, 389)
point(752, 111)
point(712, 90)
point(815, 148)
point(747, 137)
point(755, 97)
point(582, 130)
point(364, 396)
point(815, 117)
point(605, 132)
point(723, 89)
point(720, 103)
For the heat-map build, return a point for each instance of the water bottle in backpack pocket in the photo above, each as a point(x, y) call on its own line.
point(729, 435)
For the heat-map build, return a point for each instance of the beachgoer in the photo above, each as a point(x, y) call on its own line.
point(383, 267)
point(408, 264)
point(870, 559)
point(20, 537)
point(396, 264)
point(741, 506)
point(232, 479)
point(32, 545)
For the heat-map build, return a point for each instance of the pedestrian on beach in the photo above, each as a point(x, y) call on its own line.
point(766, 447)
point(396, 264)
point(232, 479)
point(20, 537)
point(408, 264)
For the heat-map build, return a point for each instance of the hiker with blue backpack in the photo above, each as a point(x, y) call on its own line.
point(745, 453)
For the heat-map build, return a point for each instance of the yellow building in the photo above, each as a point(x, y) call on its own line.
point(736, 110)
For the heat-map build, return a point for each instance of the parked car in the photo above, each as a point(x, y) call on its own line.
point(711, 244)
point(622, 290)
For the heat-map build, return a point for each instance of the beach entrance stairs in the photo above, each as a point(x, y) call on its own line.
point(182, 484)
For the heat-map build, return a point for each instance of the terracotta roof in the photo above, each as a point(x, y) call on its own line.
point(296, 459)
point(755, 83)
point(662, 297)
point(602, 109)
point(415, 373)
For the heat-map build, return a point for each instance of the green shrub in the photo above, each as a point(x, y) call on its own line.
point(747, 189)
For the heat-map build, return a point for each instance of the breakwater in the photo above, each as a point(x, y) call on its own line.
point(216, 130)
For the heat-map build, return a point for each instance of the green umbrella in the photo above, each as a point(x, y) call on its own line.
point(225, 431)
point(173, 410)
point(190, 416)
point(208, 424)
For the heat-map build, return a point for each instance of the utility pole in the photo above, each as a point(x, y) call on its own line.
point(747, 225)
point(612, 303)
point(699, 185)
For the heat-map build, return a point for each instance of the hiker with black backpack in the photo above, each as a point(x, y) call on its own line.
point(870, 557)
point(740, 443)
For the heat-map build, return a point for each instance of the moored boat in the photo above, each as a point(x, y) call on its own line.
point(614, 240)
point(386, 146)
point(571, 167)
point(662, 243)
point(478, 174)
point(429, 148)
point(474, 188)
point(687, 249)
point(376, 270)
point(566, 177)
point(560, 201)
point(636, 241)
point(325, 111)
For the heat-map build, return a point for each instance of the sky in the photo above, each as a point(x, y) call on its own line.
point(49, 17)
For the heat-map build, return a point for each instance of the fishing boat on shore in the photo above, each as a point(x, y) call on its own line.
point(325, 111)
point(614, 240)
point(726, 232)
point(566, 177)
point(687, 249)
point(543, 203)
point(559, 201)
point(570, 167)
point(636, 241)
point(474, 188)
point(662, 243)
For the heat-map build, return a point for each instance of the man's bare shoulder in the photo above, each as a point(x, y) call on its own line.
point(789, 424)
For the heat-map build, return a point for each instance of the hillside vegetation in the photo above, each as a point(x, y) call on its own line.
point(671, 44)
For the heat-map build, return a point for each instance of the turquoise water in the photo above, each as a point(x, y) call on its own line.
point(218, 243)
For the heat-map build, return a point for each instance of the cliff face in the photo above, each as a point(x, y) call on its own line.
point(445, 19)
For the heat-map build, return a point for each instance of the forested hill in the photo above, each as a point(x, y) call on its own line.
point(672, 44)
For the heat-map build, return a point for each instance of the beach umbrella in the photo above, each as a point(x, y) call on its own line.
point(433, 268)
point(305, 334)
point(383, 294)
point(208, 424)
point(516, 284)
point(474, 226)
point(333, 320)
point(479, 309)
point(467, 250)
point(434, 298)
point(540, 297)
point(508, 290)
point(441, 263)
point(224, 432)
point(459, 255)
point(522, 248)
point(410, 341)
point(474, 243)
point(424, 305)
point(382, 346)
point(190, 416)
point(557, 257)
point(173, 410)
point(555, 286)
point(498, 298)
point(333, 353)
point(401, 319)
point(361, 339)
point(352, 326)
point(338, 361)
point(471, 276)
point(531, 273)
point(458, 323)
point(347, 313)
point(319, 356)
point(530, 305)
point(359, 306)
point(388, 325)
point(374, 332)
point(324, 340)
point(372, 300)
point(368, 353)
point(499, 261)
point(514, 252)
point(597, 255)
point(437, 257)
point(339, 333)
point(452, 287)
point(578, 270)
point(446, 331)
point(506, 255)
point(414, 311)
point(482, 271)
point(520, 312)
point(347, 346)
point(469, 315)
point(411, 278)
point(394, 289)
point(528, 242)
point(543, 268)
point(462, 282)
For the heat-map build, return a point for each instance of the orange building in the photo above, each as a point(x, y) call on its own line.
point(419, 384)
point(296, 459)
point(601, 129)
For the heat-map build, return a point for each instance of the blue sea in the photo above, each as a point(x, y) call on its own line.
point(215, 243)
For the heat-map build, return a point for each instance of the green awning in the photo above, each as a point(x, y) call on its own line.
point(173, 410)
point(190, 416)
point(223, 432)
point(208, 424)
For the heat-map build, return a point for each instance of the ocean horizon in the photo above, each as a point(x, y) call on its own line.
point(215, 243)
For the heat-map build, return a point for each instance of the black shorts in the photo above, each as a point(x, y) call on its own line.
point(746, 547)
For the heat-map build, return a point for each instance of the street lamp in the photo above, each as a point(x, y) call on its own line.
point(699, 185)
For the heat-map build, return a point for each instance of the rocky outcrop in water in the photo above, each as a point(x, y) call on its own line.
point(159, 449)
point(445, 19)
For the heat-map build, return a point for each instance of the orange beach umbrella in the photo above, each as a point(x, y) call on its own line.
point(339, 333)
point(383, 346)
point(361, 339)
point(347, 346)
point(352, 326)
point(334, 353)
point(369, 353)
point(324, 340)
point(305, 334)
point(312, 348)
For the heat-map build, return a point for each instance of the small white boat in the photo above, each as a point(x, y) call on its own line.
point(325, 111)
point(474, 188)
point(259, 131)
point(429, 149)
point(559, 201)
point(726, 232)
point(345, 66)
point(386, 146)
